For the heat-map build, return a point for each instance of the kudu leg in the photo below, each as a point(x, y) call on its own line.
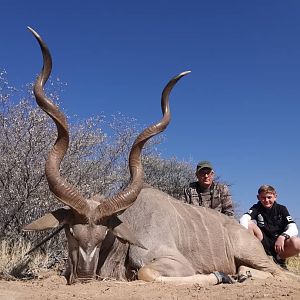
point(176, 270)
point(247, 272)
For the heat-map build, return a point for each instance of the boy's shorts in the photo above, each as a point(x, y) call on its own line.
point(269, 244)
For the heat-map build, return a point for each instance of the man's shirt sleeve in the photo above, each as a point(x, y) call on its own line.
point(227, 204)
point(186, 195)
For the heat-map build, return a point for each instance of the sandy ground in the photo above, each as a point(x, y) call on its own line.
point(53, 287)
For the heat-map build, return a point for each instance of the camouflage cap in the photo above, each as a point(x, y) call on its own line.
point(203, 164)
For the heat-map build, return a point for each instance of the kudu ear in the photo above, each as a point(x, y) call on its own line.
point(50, 220)
point(120, 230)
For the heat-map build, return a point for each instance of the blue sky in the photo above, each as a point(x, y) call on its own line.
point(239, 108)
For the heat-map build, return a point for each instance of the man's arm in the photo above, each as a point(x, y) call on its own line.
point(186, 195)
point(227, 204)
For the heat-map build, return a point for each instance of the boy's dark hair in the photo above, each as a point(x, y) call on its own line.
point(266, 189)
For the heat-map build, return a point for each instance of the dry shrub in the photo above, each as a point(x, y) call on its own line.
point(96, 163)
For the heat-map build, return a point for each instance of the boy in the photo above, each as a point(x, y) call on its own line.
point(274, 227)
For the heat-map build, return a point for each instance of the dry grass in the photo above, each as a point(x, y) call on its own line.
point(14, 263)
point(293, 264)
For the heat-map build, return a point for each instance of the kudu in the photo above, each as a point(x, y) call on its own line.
point(142, 232)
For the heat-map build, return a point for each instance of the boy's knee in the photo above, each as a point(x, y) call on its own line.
point(254, 229)
point(297, 244)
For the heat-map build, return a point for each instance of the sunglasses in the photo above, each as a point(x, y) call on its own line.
point(205, 172)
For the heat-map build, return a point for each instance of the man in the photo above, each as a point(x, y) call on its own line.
point(208, 193)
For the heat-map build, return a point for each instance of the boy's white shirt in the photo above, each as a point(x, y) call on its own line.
point(244, 220)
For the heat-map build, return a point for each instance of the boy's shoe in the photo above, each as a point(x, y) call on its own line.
point(281, 262)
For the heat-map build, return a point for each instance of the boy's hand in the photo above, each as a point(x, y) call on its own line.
point(279, 244)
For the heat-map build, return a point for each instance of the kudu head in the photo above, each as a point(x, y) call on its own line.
point(87, 221)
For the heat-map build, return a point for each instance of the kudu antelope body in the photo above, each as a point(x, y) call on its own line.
point(141, 232)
